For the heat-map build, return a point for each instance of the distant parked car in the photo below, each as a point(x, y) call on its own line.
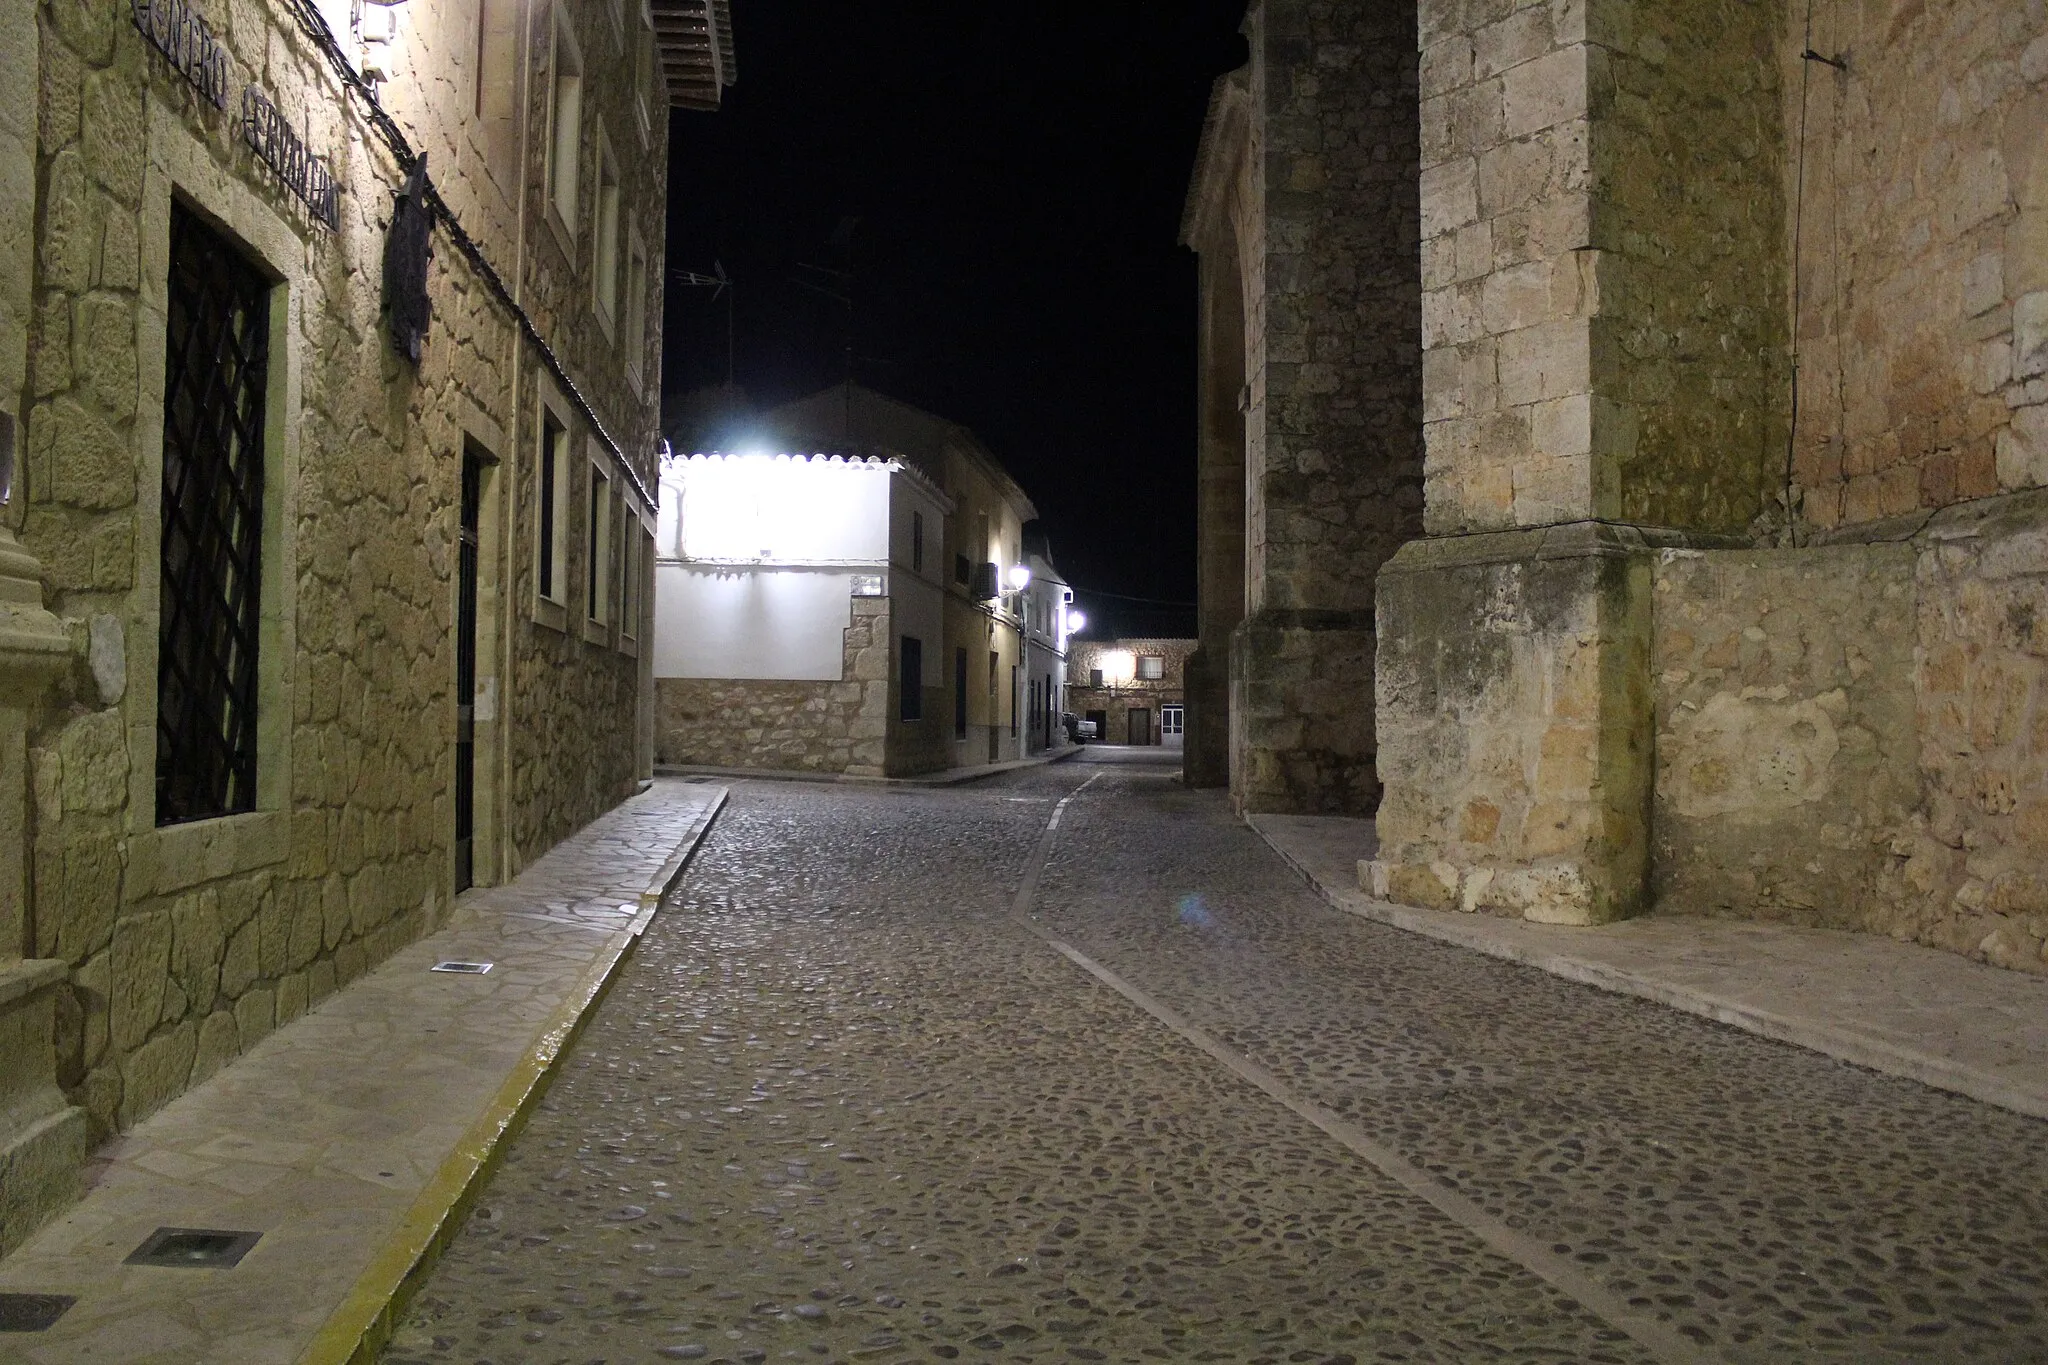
point(1084, 730)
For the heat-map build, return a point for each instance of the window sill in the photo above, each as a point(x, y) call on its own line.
point(175, 857)
point(550, 613)
point(597, 632)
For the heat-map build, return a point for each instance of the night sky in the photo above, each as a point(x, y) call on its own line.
point(1017, 173)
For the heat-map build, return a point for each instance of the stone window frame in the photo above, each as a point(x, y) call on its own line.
point(179, 164)
point(607, 224)
point(553, 414)
point(636, 554)
point(564, 52)
point(644, 75)
point(634, 337)
point(596, 529)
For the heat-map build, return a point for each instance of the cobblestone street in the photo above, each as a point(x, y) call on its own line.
point(902, 1074)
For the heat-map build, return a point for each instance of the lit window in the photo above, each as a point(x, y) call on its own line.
point(1151, 667)
point(565, 122)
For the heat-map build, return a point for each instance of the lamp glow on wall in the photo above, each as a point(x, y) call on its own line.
point(1119, 666)
point(1019, 577)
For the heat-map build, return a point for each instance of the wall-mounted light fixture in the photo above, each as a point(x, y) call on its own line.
point(1076, 621)
point(1019, 577)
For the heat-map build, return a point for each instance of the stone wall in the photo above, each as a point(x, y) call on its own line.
point(1600, 218)
point(1786, 745)
point(818, 727)
point(1820, 763)
point(1323, 221)
point(1921, 183)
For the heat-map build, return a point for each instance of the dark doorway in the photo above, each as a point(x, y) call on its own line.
point(993, 740)
point(960, 694)
point(1101, 723)
point(1140, 725)
point(465, 671)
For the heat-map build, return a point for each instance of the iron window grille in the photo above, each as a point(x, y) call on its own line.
point(216, 345)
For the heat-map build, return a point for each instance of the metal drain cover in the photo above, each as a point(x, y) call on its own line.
point(463, 968)
point(193, 1248)
point(32, 1312)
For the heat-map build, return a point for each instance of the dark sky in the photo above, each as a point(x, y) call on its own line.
point(1018, 173)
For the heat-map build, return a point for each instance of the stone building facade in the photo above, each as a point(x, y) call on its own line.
point(799, 615)
point(1310, 474)
point(425, 577)
point(983, 665)
point(1734, 353)
point(1134, 690)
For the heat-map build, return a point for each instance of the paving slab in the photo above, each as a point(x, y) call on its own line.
point(351, 1138)
point(1895, 1007)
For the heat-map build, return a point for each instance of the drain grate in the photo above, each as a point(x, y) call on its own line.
point(193, 1248)
point(32, 1312)
point(462, 968)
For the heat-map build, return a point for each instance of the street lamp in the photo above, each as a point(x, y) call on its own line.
point(1019, 577)
point(1077, 621)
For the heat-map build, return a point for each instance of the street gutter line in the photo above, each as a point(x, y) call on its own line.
point(1661, 1339)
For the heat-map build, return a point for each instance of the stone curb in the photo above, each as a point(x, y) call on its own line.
point(1845, 1044)
point(362, 1326)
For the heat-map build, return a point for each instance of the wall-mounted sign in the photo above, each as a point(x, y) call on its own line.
point(173, 29)
point(868, 585)
point(281, 149)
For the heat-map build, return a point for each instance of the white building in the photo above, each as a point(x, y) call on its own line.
point(798, 618)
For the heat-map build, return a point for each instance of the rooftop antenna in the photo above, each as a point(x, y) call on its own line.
point(718, 282)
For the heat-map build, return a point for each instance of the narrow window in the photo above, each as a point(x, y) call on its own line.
point(598, 555)
point(552, 542)
point(636, 311)
point(963, 570)
point(629, 575)
point(1095, 677)
point(565, 116)
point(1151, 667)
point(1013, 700)
point(960, 694)
point(917, 542)
point(910, 678)
point(217, 353)
point(606, 263)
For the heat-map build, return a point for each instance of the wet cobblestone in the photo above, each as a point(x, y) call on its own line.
point(841, 1107)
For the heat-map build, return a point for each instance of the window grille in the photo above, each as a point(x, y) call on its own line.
point(216, 348)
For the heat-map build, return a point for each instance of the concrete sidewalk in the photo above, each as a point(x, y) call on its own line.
point(1894, 1007)
point(352, 1139)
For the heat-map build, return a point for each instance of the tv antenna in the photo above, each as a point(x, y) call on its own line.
point(718, 282)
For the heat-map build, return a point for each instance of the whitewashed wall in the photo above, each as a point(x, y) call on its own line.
point(750, 622)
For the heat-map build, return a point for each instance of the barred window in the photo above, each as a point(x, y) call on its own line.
point(216, 354)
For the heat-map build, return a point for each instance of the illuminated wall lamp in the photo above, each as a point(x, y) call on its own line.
point(1076, 621)
point(1019, 577)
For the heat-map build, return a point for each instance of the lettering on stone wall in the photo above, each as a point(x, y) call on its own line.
point(174, 29)
point(281, 149)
